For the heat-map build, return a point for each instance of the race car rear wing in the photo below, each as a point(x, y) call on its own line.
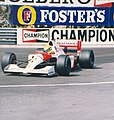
point(76, 44)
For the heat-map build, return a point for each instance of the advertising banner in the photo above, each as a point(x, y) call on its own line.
point(32, 36)
point(60, 3)
point(76, 16)
point(93, 37)
point(106, 3)
point(112, 16)
point(56, 3)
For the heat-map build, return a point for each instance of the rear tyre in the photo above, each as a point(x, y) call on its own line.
point(63, 66)
point(6, 59)
point(86, 59)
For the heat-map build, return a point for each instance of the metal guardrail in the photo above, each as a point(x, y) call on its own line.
point(8, 36)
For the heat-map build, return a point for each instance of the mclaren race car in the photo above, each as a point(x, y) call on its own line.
point(54, 59)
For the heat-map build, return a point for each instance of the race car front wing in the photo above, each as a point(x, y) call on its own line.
point(13, 68)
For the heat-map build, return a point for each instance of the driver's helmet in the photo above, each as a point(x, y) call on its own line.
point(48, 48)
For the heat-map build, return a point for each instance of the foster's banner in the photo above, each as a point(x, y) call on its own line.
point(112, 16)
point(77, 16)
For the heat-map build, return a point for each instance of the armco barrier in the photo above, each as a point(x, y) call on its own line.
point(8, 36)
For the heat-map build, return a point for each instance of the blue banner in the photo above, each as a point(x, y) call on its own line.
point(112, 16)
point(76, 16)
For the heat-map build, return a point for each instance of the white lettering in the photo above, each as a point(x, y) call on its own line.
point(44, 14)
point(90, 16)
point(101, 16)
point(53, 16)
point(71, 14)
point(63, 16)
point(81, 16)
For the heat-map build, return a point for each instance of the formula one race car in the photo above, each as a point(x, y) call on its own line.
point(53, 59)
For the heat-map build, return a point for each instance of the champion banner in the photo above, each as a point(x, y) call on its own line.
point(90, 37)
point(76, 16)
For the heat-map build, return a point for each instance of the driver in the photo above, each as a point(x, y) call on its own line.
point(48, 48)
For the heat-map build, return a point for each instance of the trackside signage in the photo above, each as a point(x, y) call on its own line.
point(90, 37)
point(78, 16)
point(101, 2)
point(65, 3)
point(28, 36)
point(94, 37)
point(112, 16)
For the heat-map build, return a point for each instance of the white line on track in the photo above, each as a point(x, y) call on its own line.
point(57, 85)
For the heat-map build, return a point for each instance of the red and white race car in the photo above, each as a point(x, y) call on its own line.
point(53, 59)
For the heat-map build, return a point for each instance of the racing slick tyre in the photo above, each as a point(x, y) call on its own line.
point(63, 66)
point(86, 59)
point(7, 58)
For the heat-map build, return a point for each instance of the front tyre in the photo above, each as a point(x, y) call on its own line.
point(86, 59)
point(6, 59)
point(63, 66)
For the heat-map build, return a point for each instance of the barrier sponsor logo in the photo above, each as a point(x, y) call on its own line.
point(26, 15)
point(77, 16)
point(83, 16)
point(35, 35)
point(65, 3)
point(92, 37)
point(88, 36)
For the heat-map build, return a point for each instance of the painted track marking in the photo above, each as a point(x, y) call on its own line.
point(57, 85)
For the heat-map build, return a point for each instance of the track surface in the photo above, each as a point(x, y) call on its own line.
point(86, 94)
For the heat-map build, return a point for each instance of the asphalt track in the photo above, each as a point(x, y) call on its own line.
point(87, 94)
